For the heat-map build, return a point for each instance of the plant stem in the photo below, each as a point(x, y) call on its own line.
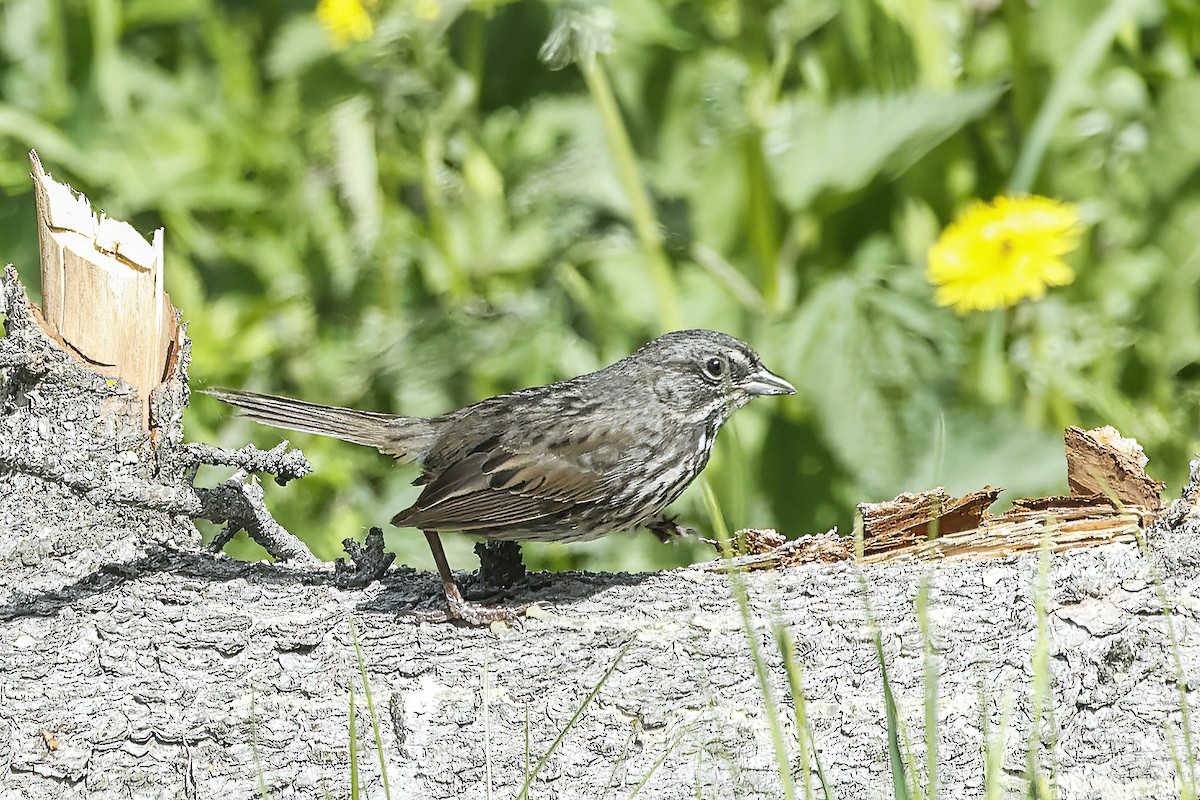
point(931, 689)
point(737, 584)
point(1066, 87)
point(641, 211)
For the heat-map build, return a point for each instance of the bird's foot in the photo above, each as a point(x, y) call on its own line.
point(478, 615)
point(474, 613)
point(666, 528)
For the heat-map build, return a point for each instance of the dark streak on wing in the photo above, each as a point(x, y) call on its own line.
point(494, 487)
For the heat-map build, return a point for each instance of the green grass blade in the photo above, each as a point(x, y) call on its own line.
point(896, 762)
point(1041, 785)
point(258, 770)
point(641, 209)
point(931, 689)
point(612, 775)
point(742, 597)
point(993, 746)
point(354, 787)
point(1070, 83)
point(804, 737)
point(529, 776)
point(362, 670)
point(486, 700)
point(1187, 778)
point(671, 745)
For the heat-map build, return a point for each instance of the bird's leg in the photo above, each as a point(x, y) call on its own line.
point(459, 607)
point(500, 565)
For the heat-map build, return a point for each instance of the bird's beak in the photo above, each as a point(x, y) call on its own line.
point(765, 382)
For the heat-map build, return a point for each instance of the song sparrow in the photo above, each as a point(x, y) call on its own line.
point(567, 462)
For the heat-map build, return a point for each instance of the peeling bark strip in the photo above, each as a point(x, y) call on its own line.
point(1102, 463)
point(913, 518)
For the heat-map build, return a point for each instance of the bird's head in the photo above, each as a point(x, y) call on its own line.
point(704, 373)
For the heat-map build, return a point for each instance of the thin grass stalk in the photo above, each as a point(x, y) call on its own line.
point(641, 210)
point(354, 784)
point(808, 743)
point(993, 752)
point(1187, 780)
point(896, 762)
point(258, 770)
point(362, 671)
point(609, 785)
point(931, 688)
point(910, 775)
point(435, 202)
point(787, 649)
point(486, 700)
point(1186, 792)
point(1068, 84)
point(761, 216)
point(524, 793)
point(671, 745)
point(1039, 785)
point(742, 597)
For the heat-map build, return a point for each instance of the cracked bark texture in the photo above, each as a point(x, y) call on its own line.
point(136, 665)
point(161, 677)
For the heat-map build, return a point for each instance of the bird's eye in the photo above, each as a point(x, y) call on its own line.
point(714, 368)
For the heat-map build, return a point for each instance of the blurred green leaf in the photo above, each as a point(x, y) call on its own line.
point(874, 355)
point(842, 147)
point(1174, 155)
point(356, 167)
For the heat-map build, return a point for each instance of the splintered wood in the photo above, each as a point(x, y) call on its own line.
point(1083, 524)
point(1112, 500)
point(913, 518)
point(1102, 463)
point(102, 289)
point(766, 549)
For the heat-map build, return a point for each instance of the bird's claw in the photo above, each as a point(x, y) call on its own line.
point(478, 615)
point(666, 528)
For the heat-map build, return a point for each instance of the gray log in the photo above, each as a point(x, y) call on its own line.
point(136, 665)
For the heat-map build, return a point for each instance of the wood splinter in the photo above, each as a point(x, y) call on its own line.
point(1103, 463)
point(102, 290)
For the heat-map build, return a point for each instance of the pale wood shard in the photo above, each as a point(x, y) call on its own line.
point(102, 289)
point(1074, 523)
point(913, 518)
point(1102, 463)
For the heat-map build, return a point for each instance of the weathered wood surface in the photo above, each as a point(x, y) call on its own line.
point(155, 679)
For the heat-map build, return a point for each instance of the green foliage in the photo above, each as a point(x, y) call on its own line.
point(435, 214)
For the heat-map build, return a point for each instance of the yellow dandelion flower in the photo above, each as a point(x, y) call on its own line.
point(346, 21)
point(998, 253)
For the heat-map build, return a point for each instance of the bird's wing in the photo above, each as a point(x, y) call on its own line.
point(500, 488)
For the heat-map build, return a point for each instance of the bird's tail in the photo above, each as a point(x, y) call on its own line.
point(404, 437)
